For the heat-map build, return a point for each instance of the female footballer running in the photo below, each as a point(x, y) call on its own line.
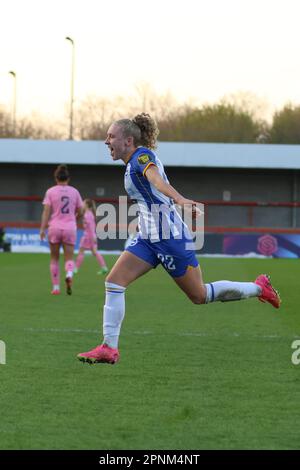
point(133, 141)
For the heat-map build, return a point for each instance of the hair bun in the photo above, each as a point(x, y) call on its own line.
point(62, 173)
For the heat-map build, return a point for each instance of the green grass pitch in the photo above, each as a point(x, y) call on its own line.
point(190, 377)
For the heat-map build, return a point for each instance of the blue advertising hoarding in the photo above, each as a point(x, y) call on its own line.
point(270, 245)
point(281, 245)
point(28, 240)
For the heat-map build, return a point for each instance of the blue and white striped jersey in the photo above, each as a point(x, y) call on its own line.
point(158, 216)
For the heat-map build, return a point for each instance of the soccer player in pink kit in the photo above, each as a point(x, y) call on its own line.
point(62, 204)
point(88, 240)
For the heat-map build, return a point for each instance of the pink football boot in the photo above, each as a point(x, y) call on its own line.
point(268, 293)
point(55, 292)
point(102, 353)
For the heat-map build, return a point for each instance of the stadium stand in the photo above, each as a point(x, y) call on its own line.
point(250, 191)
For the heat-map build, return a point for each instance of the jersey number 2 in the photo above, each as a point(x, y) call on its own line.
point(65, 208)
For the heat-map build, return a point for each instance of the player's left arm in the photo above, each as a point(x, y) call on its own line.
point(153, 176)
point(45, 220)
point(79, 213)
point(79, 207)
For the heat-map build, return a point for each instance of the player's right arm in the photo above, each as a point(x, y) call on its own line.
point(45, 220)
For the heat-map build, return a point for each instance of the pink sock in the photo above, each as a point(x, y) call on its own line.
point(54, 270)
point(79, 260)
point(100, 259)
point(69, 266)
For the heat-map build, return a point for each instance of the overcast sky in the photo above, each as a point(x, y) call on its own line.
point(199, 49)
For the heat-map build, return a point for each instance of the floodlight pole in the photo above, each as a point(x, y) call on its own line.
point(72, 87)
point(14, 104)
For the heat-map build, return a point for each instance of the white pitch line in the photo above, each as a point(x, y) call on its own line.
point(149, 333)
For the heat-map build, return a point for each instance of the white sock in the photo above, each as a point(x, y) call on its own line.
point(228, 290)
point(113, 313)
point(56, 287)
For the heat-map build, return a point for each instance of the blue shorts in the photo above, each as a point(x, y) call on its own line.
point(172, 254)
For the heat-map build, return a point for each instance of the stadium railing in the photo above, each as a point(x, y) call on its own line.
point(248, 225)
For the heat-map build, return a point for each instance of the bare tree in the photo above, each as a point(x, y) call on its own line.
point(33, 127)
point(259, 108)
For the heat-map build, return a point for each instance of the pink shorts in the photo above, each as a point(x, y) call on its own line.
point(88, 243)
point(56, 235)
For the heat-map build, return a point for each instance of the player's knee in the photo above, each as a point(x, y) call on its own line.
point(198, 298)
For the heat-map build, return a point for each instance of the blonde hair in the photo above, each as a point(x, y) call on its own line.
point(91, 205)
point(142, 128)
